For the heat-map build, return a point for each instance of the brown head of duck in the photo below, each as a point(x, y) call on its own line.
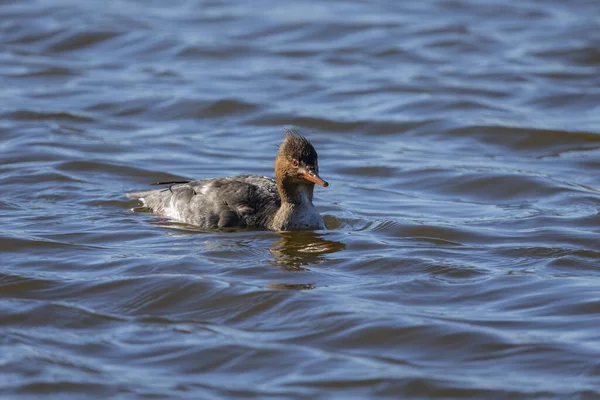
point(297, 169)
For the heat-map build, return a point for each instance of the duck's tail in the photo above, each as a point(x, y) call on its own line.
point(139, 195)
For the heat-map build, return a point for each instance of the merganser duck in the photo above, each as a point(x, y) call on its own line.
point(248, 201)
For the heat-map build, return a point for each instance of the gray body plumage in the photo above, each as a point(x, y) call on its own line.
point(244, 201)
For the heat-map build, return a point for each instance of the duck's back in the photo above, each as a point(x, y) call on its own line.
point(235, 201)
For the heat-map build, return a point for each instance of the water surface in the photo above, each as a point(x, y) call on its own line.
point(461, 142)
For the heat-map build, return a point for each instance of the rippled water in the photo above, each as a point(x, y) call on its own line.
point(461, 142)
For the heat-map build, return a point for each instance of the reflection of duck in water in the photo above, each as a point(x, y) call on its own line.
point(248, 201)
point(296, 250)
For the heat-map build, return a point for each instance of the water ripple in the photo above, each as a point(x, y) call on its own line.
point(460, 140)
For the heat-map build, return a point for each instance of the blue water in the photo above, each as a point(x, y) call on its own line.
point(461, 142)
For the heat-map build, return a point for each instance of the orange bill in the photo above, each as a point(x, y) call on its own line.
point(313, 177)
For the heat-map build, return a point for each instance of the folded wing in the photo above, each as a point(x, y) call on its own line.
point(238, 201)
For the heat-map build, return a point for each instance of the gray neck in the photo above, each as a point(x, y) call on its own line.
point(295, 194)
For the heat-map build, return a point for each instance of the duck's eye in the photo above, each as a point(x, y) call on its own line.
point(295, 163)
